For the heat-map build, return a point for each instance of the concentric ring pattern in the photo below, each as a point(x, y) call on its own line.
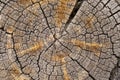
point(59, 39)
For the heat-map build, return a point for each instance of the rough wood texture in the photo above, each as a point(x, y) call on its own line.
point(59, 39)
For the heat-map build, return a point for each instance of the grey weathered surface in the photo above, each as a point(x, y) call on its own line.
point(59, 39)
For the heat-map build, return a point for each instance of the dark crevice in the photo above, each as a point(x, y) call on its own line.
point(96, 5)
point(2, 28)
point(112, 14)
point(45, 17)
point(65, 46)
point(74, 12)
point(16, 56)
point(115, 73)
point(83, 68)
point(18, 61)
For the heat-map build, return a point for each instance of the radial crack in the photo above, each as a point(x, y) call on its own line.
point(74, 12)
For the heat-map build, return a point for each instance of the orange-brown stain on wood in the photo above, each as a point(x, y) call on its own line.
point(61, 12)
point(89, 21)
point(58, 57)
point(44, 2)
point(37, 46)
point(82, 75)
point(61, 58)
point(18, 33)
point(9, 45)
point(24, 2)
point(18, 45)
point(16, 73)
point(34, 10)
point(9, 42)
point(15, 70)
point(28, 69)
point(95, 47)
point(64, 69)
point(10, 29)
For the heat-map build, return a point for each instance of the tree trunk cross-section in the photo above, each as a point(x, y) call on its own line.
point(59, 39)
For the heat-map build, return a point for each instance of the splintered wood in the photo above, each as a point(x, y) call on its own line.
point(61, 58)
point(37, 46)
point(95, 47)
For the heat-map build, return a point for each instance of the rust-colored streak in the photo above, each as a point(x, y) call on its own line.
point(60, 12)
point(44, 2)
point(15, 70)
point(18, 46)
point(24, 2)
point(61, 58)
point(66, 76)
point(17, 74)
point(89, 21)
point(58, 57)
point(28, 69)
point(95, 47)
point(37, 46)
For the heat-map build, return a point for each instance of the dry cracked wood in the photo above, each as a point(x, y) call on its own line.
point(59, 39)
